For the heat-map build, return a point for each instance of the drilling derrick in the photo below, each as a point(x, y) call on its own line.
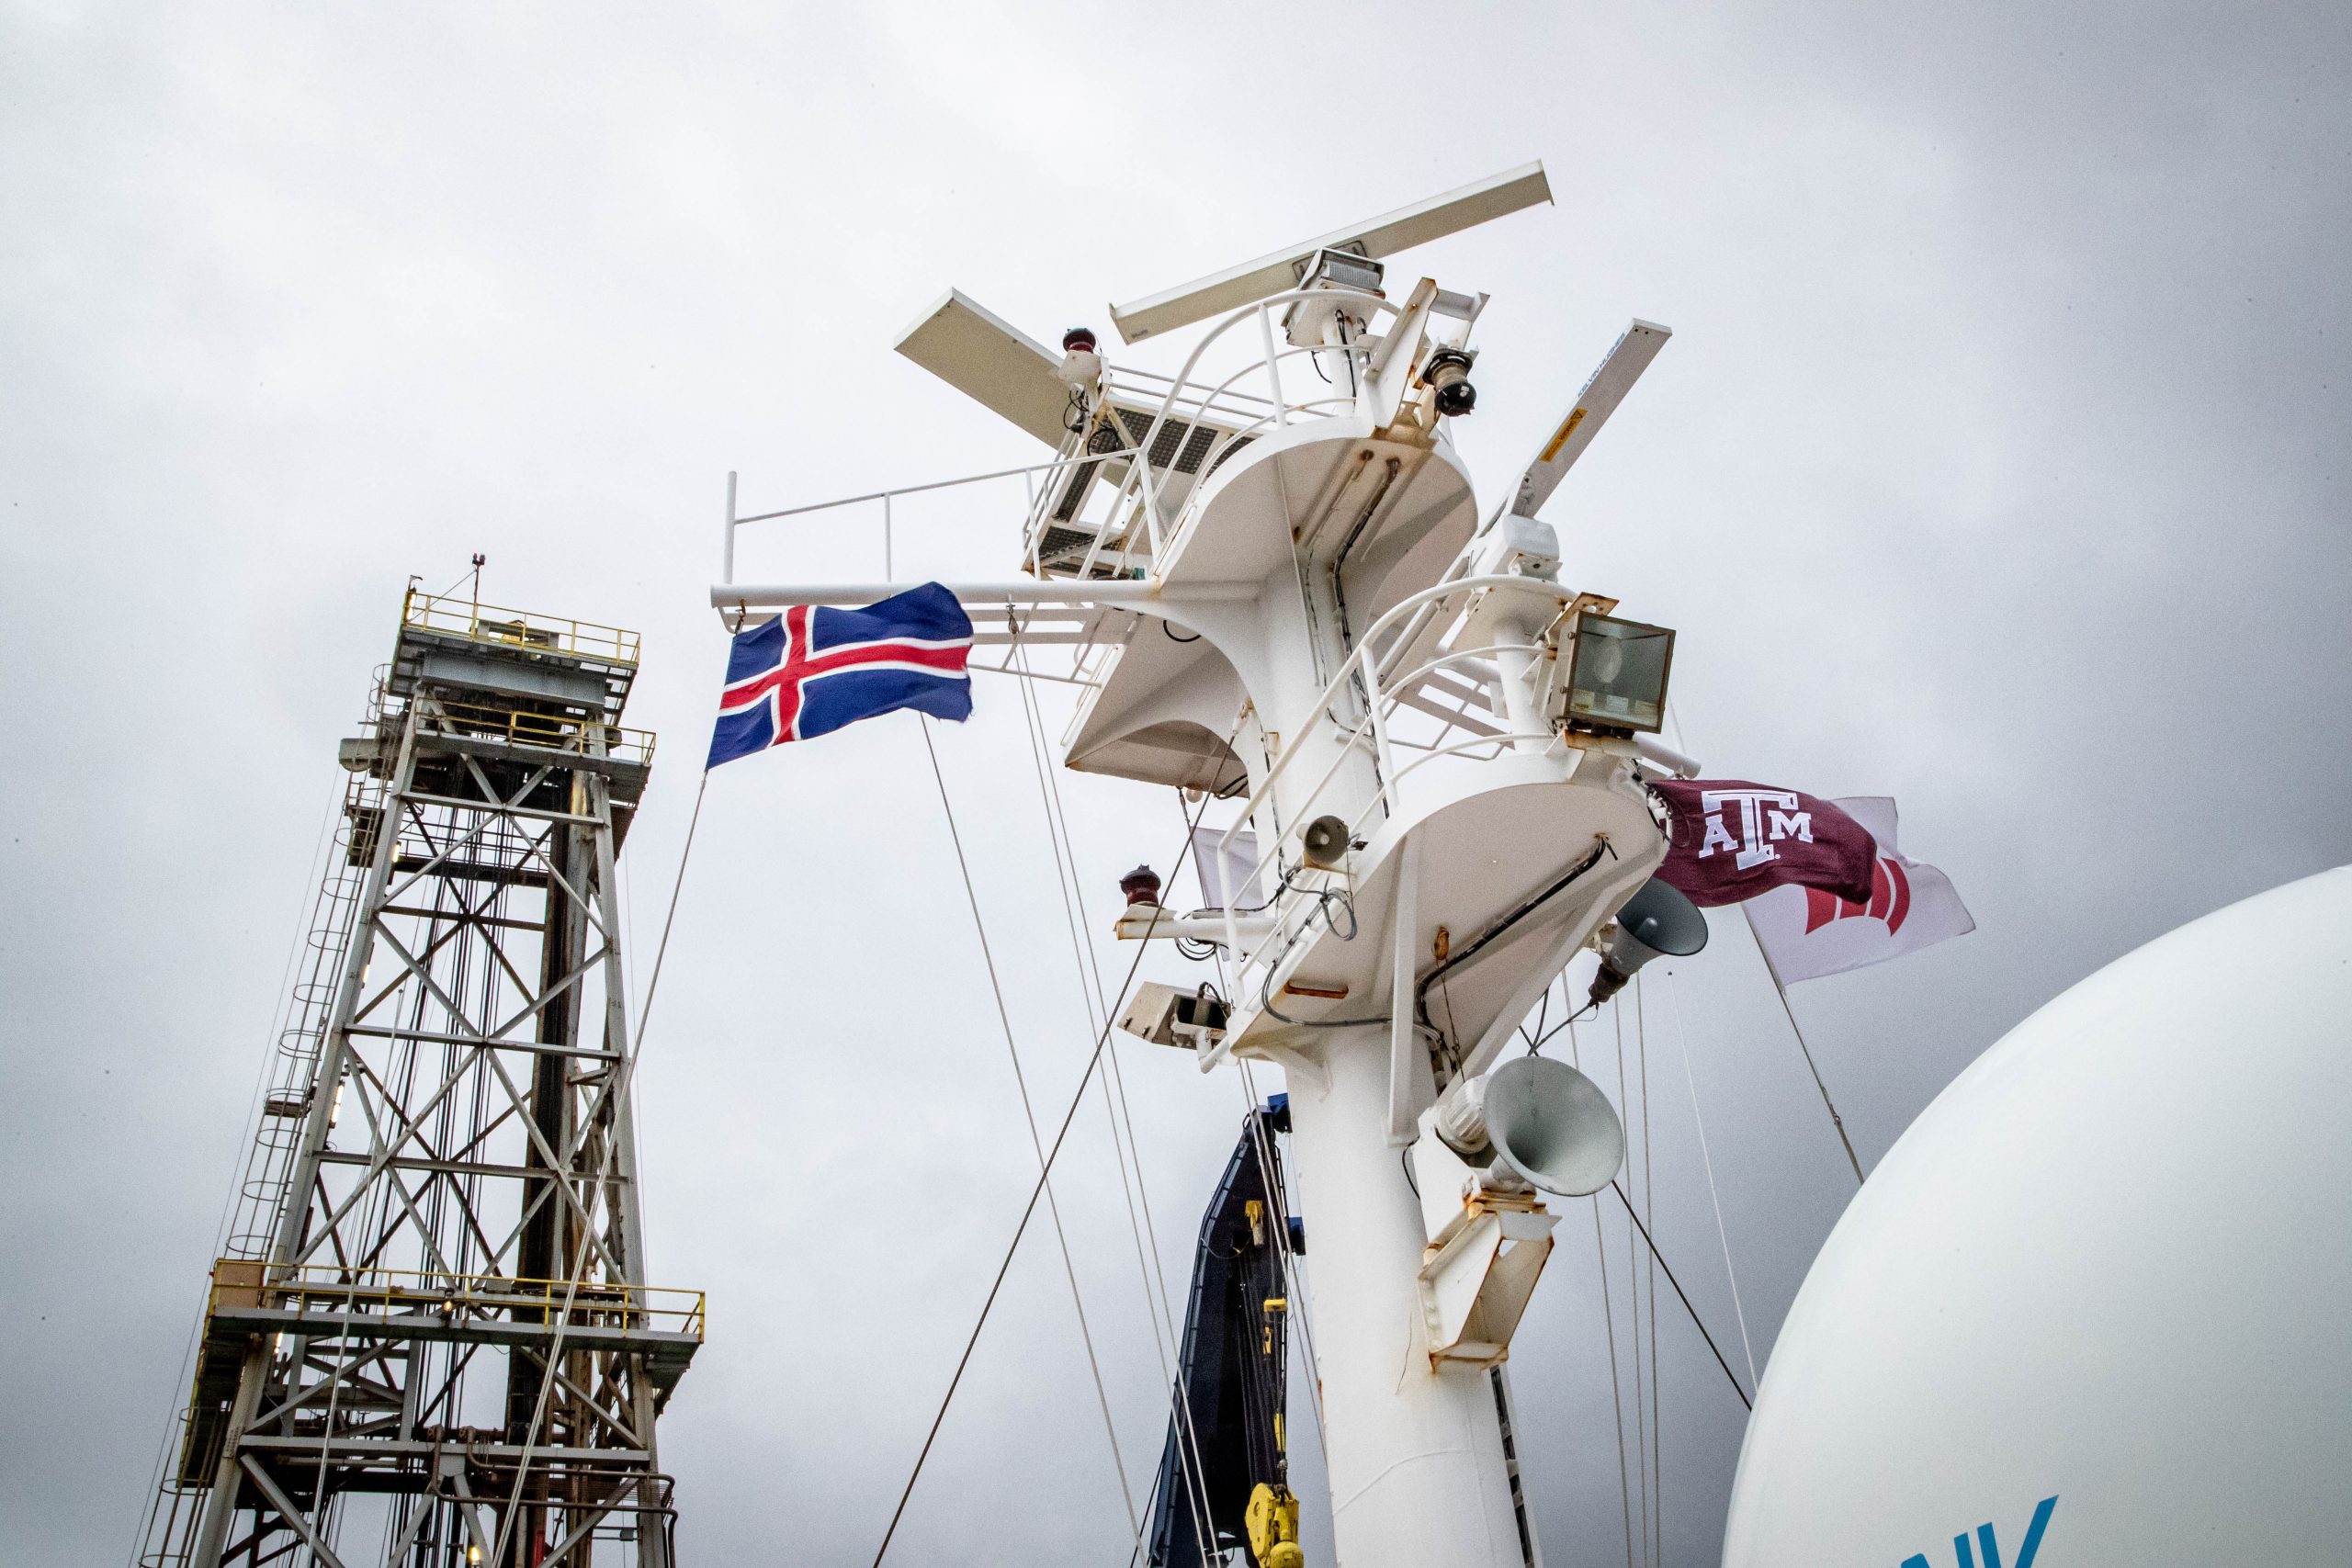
point(430, 1339)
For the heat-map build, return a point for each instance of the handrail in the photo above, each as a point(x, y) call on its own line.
point(1182, 394)
point(1139, 473)
point(1348, 668)
point(311, 1282)
point(1385, 695)
point(501, 627)
point(1372, 303)
point(938, 484)
point(548, 732)
point(1159, 376)
point(1499, 739)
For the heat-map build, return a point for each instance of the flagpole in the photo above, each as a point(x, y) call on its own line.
point(1796, 1029)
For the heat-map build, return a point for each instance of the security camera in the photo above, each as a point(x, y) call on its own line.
point(1448, 372)
point(1166, 1016)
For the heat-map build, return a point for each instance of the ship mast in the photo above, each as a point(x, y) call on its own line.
point(1274, 578)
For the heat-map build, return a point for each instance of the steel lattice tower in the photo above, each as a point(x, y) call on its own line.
point(430, 1340)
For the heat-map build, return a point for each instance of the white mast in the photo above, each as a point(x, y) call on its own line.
point(1440, 747)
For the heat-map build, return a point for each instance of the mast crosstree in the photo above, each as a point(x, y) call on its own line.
point(430, 1338)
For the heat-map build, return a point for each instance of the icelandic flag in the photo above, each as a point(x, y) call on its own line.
point(814, 668)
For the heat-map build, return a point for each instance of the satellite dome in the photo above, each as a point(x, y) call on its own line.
point(2094, 1308)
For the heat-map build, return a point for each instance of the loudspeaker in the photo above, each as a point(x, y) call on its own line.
point(1324, 843)
point(1656, 923)
point(1552, 1126)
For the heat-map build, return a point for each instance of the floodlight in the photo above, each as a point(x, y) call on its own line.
point(1617, 673)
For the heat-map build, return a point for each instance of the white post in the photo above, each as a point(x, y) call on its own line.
point(1150, 509)
point(727, 553)
point(1273, 371)
point(1417, 1468)
point(1515, 658)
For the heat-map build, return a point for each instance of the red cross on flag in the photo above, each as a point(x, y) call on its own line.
point(1806, 932)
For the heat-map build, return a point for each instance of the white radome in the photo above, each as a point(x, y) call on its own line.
point(2110, 1265)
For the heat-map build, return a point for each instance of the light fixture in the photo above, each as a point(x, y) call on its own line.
point(1448, 372)
point(1318, 324)
point(1081, 367)
point(1140, 886)
point(1617, 673)
point(1341, 269)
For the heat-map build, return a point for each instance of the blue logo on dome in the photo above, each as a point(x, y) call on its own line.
point(1991, 1547)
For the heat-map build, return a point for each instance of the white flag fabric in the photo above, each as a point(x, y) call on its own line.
point(1235, 866)
point(1807, 934)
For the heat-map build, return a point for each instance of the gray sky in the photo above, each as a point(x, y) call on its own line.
point(1998, 464)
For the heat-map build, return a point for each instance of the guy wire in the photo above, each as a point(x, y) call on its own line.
point(1157, 1308)
point(1020, 1081)
point(1053, 1151)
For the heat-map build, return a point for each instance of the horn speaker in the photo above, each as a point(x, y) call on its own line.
point(1657, 921)
point(1324, 843)
point(1553, 1126)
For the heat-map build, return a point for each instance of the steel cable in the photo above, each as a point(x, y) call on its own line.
point(1708, 1160)
point(1029, 1113)
point(1157, 1308)
point(1101, 1039)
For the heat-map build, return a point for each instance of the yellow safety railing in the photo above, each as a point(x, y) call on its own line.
point(593, 1304)
point(503, 628)
point(548, 732)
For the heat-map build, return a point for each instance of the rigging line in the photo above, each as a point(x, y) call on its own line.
point(1115, 1089)
point(1101, 1039)
point(1058, 832)
point(1633, 1292)
point(1674, 719)
point(1164, 1338)
point(1148, 1262)
point(1794, 1028)
point(1650, 1203)
point(669, 917)
point(1609, 1321)
point(1707, 1159)
point(622, 883)
point(1616, 1399)
point(1696, 1322)
point(1029, 1113)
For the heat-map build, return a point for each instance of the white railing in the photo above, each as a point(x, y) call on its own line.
point(1374, 668)
point(1140, 493)
point(1157, 497)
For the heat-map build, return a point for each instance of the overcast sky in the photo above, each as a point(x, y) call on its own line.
point(1998, 463)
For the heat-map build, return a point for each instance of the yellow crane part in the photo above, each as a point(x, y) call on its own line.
point(1272, 1520)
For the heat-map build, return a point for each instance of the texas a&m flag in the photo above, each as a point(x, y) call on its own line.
point(1729, 841)
point(1806, 932)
